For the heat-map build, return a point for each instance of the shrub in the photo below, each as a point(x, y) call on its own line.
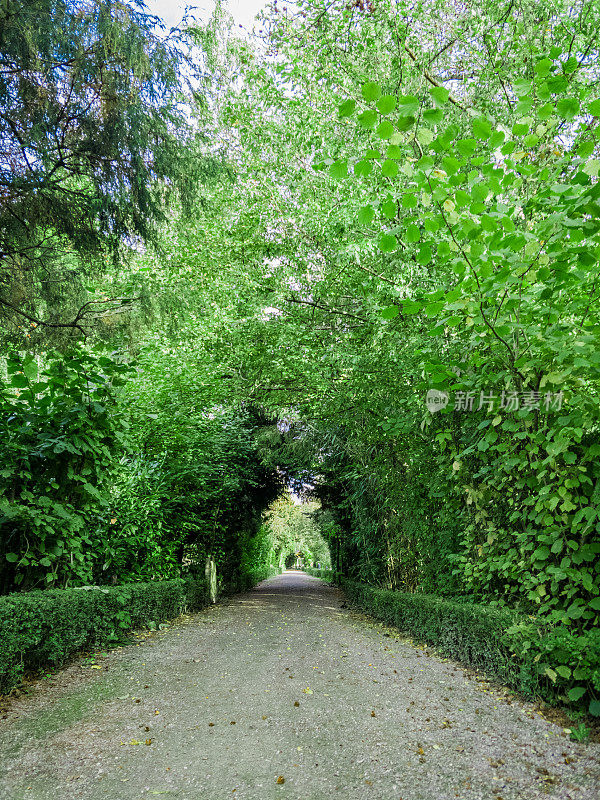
point(470, 633)
point(248, 578)
point(534, 657)
point(45, 628)
point(324, 574)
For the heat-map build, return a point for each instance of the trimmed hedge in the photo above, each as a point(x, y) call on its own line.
point(473, 634)
point(554, 663)
point(324, 574)
point(246, 580)
point(45, 628)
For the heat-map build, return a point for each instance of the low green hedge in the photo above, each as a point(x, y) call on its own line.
point(551, 662)
point(324, 574)
point(45, 628)
point(249, 578)
point(473, 634)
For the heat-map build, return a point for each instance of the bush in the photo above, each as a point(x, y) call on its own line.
point(45, 628)
point(248, 578)
point(560, 664)
point(324, 574)
point(470, 633)
point(554, 663)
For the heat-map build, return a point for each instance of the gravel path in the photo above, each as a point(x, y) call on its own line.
point(281, 693)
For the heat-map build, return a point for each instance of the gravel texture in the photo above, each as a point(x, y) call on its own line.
point(282, 693)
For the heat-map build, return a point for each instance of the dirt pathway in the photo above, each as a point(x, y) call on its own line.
point(281, 693)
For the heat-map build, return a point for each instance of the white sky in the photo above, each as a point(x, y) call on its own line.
point(243, 11)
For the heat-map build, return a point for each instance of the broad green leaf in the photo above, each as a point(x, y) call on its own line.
point(371, 91)
point(408, 105)
point(425, 163)
point(346, 109)
point(386, 104)
point(388, 243)
point(424, 254)
point(363, 168)
point(522, 87)
point(366, 215)
point(389, 209)
point(563, 671)
point(451, 165)
point(410, 307)
point(481, 128)
point(390, 312)
point(385, 129)
point(543, 67)
point(367, 120)
point(433, 309)
point(339, 169)
point(413, 233)
point(389, 168)
point(576, 693)
point(585, 149)
point(466, 147)
point(404, 123)
point(520, 129)
point(594, 108)
point(433, 115)
point(568, 107)
point(12, 557)
point(440, 95)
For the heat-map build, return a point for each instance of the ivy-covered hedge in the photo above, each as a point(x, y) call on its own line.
point(554, 663)
point(44, 628)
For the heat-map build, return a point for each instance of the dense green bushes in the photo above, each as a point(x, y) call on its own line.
point(247, 579)
point(324, 574)
point(538, 659)
point(103, 480)
point(60, 435)
point(44, 628)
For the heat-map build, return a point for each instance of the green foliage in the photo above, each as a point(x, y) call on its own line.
point(92, 133)
point(39, 629)
point(61, 434)
point(471, 269)
point(559, 663)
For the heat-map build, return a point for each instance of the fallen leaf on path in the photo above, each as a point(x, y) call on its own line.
point(308, 690)
point(280, 779)
point(296, 704)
